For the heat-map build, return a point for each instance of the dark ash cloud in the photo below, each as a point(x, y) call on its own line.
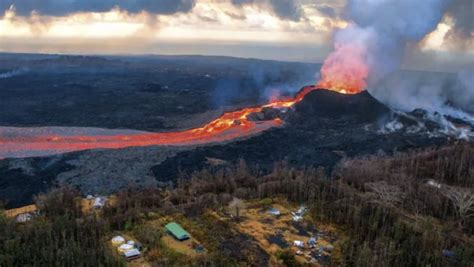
point(462, 12)
point(286, 9)
point(461, 34)
point(65, 7)
point(327, 10)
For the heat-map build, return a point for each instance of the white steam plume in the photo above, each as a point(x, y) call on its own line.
point(382, 30)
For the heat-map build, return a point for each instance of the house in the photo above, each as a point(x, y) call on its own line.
point(300, 212)
point(298, 243)
point(296, 218)
point(312, 242)
point(23, 214)
point(99, 202)
point(433, 183)
point(131, 254)
point(23, 217)
point(124, 248)
point(274, 211)
point(118, 240)
point(177, 231)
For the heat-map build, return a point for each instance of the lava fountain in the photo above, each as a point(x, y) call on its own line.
point(28, 142)
point(345, 70)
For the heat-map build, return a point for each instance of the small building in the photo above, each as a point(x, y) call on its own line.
point(23, 214)
point(24, 217)
point(131, 254)
point(296, 218)
point(124, 248)
point(118, 240)
point(298, 243)
point(433, 183)
point(99, 202)
point(312, 242)
point(274, 211)
point(199, 249)
point(299, 213)
point(177, 231)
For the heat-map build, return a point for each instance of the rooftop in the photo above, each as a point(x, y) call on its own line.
point(177, 231)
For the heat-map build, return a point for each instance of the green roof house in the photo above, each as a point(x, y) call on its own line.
point(177, 231)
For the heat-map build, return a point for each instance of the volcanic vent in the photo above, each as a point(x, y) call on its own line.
point(322, 128)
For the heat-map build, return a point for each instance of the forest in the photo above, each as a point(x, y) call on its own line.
point(407, 209)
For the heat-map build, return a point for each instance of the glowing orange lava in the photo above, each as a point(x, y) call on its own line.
point(229, 126)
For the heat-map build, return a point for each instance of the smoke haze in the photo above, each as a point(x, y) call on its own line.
point(12, 73)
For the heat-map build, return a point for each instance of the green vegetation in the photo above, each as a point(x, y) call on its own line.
point(390, 214)
point(62, 237)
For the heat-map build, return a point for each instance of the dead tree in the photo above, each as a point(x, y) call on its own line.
point(236, 206)
point(384, 193)
point(462, 200)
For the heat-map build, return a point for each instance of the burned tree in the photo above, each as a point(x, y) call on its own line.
point(384, 193)
point(462, 200)
point(236, 206)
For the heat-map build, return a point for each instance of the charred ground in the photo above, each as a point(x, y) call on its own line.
point(321, 130)
point(171, 93)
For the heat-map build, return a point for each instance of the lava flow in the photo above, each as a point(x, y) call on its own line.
point(25, 142)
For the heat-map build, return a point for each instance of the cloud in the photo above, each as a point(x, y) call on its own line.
point(327, 10)
point(461, 33)
point(65, 7)
point(286, 9)
point(462, 12)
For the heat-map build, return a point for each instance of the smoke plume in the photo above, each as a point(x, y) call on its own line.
point(12, 73)
point(369, 51)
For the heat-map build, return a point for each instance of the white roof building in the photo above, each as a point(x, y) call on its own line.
point(274, 211)
point(118, 240)
point(132, 254)
point(298, 243)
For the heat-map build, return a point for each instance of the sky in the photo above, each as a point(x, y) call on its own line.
point(293, 30)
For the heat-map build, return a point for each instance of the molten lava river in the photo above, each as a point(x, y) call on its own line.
point(27, 142)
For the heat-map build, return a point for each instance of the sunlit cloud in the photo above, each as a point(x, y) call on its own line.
point(208, 21)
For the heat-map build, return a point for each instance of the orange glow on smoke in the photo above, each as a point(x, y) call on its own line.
point(345, 70)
